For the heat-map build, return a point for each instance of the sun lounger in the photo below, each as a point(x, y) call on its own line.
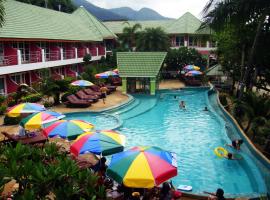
point(36, 138)
point(110, 87)
point(73, 101)
point(97, 89)
point(92, 92)
point(84, 96)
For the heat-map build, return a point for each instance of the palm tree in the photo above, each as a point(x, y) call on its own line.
point(240, 13)
point(256, 109)
point(2, 13)
point(153, 39)
point(129, 35)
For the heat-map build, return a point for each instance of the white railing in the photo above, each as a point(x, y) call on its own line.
point(8, 60)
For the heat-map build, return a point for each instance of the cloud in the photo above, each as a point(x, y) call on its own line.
point(167, 8)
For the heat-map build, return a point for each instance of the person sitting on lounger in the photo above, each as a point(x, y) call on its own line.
point(236, 144)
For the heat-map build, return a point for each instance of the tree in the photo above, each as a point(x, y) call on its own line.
point(130, 35)
point(251, 15)
point(153, 39)
point(62, 5)
point(178, 58)
point(255, 110)
point(43, 172)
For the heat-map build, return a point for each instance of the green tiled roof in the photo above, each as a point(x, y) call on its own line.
point(117, 26)
point(140, 64)
point(94, 23)
point(187, 23)
point(33, 22)
point(216, 70)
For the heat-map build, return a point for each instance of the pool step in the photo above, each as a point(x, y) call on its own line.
point(142, 107)
point(134, 104)
point(118, 108)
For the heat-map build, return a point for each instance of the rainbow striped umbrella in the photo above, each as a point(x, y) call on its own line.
point(82, 83)
point(142, 167)
point(193, 73)
point(24, 108)
point(191, 67)
point(99, 142)
point(106, 74)
point(36, 120)
point(69, 129)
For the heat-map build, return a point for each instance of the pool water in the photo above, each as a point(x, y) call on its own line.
point(192, 134)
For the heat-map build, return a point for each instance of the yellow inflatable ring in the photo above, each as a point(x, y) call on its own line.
point(221, 152)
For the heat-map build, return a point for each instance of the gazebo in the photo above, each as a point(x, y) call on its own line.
point(139, 70)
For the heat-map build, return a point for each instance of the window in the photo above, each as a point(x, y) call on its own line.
point(2, 86)
point(74, 68)
point(1, 53)
point(24, 48)
point(192, 41)
point(179, 41)
point(44, 73)
point(18, 78)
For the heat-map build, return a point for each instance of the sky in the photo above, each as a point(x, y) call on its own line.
point(167, 8)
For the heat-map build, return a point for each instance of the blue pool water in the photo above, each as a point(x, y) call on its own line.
point(192, 134)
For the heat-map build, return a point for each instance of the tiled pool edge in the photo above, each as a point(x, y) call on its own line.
point(264, 161)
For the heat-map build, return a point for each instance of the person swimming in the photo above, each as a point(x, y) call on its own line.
point(236, 144)
point(205, 108)
point(182, 105)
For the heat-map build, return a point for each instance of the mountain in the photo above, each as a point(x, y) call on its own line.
point(100, 13)
point(142, 14)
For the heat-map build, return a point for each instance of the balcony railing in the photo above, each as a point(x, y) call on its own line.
point(8, 60)
point(52, 56)
point(31, 58)
point(70, 54)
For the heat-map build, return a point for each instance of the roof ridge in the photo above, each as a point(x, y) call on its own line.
point(39, 7)
point(92, 18)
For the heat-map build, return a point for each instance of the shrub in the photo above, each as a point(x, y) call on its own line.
point(47, 104)
point(87, 58)
point(223, 99)
point(32, 98)
point(11, 102)
point(2, 99)
point(3, 109)
point(11, 120)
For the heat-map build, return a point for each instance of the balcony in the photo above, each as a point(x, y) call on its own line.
point(38, 60)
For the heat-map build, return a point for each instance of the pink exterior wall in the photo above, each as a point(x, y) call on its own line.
point(69, 72)
point(55, 52)
point(81, 52)
point(93, 50)
point(10, 54)
point(101, 50)
point(34, 77)
point(69, 51)
point(55, 75)
point(11, 85)
point(35, 53)
point(27, 78)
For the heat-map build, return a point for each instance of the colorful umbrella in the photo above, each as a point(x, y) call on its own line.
point(142, 167)
point(69, 129)
point(191, 67)
point(106, 74)
point(99, 142)
point(36, 120)
point(193, 73)
point(24, 108)
point(82, 83)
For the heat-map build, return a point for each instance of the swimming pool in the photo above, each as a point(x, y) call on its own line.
point(192, 134)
